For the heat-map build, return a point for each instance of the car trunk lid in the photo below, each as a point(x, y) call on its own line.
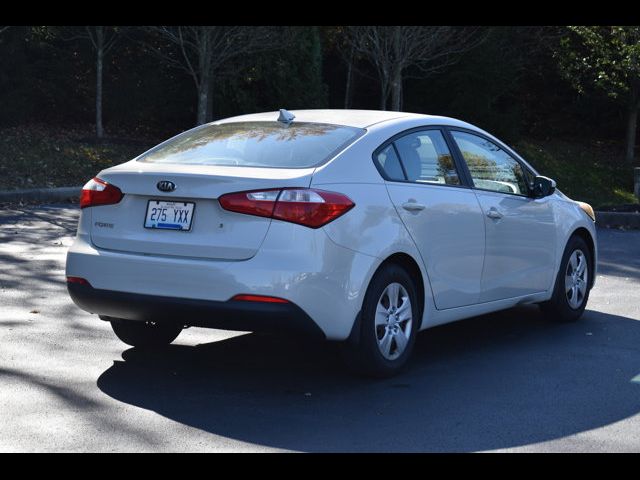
point(214, 234)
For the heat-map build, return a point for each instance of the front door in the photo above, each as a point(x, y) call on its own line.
point(520, 230)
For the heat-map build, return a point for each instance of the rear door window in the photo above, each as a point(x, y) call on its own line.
point(426, 158)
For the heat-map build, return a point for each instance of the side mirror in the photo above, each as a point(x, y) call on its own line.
point(543, 187)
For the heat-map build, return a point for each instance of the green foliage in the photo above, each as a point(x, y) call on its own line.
point(505, 85)
point(584, 169)
point(511, 86)
point(604, 57)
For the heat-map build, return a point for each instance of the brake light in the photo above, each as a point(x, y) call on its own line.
point(78, 280)
point(304, 206)
point(98, 192)
point(259, 298)
point(260, 203)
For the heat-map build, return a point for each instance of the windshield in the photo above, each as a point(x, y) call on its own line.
point(255, 144)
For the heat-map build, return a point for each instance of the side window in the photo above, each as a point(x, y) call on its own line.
point(426, 158)
point(388, 161)
point(491, 167)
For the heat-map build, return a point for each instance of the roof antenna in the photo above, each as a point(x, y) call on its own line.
point(286, 117)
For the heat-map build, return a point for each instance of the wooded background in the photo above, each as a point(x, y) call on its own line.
point(545, 89)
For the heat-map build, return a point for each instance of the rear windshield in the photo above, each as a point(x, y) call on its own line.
point(255, 144)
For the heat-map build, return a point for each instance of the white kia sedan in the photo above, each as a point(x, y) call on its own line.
point(361, 227)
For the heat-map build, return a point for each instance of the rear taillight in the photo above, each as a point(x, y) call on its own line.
point(258, 298)
point(78, 280)
point(305, 206)
point(98, 192)
point(252, 203)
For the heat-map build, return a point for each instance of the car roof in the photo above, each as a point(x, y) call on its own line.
point(350, 118)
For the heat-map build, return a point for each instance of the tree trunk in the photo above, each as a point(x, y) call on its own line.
point(209, 115)
point(396, 91)
point(396, 68)
point(384, 94)
point(632, 124)
point(99, 63)
point(348, 91)
point(204, 70)
point(203, 98)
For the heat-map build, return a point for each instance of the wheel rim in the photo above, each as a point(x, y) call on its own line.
point(393, 321)
point(575, 280)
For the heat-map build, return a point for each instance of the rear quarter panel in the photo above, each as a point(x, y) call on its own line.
point(373, 226)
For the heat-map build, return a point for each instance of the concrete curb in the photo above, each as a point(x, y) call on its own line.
point(39, 194)
point(618, 219)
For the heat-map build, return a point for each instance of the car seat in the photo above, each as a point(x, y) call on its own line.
point(408, 149)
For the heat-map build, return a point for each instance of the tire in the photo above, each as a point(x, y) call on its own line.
point(381, 351)
point(571, 289)
point(145, 335)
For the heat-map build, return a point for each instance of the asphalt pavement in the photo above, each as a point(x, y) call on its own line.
point(511, 381)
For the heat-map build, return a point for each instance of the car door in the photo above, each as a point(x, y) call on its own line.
point(440, 212)
point(520, 230)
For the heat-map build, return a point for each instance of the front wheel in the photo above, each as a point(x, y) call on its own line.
point(573, 283)
point(389, 323)
point(145, 334)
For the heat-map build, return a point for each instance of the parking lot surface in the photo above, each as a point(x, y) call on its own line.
point(511, 381)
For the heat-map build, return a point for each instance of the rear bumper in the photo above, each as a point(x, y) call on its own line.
point(295, 263)
point(229, 315)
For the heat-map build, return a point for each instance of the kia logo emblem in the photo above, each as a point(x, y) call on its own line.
point(166, 186)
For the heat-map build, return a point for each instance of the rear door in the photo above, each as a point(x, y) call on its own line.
point(520, 230)
point(440, 212)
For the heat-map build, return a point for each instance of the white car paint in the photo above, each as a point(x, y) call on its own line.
point(454, 224)
point(470, 264)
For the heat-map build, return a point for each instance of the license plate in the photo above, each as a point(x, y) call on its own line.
point(165, 215)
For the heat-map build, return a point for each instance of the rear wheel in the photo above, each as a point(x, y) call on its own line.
point(388, 325)
point(144, 334)
point(571, 291)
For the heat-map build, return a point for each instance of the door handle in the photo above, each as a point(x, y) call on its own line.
point(413, 207)
point(495, 214)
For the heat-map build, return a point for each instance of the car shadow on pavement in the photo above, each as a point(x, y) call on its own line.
point(496, 381)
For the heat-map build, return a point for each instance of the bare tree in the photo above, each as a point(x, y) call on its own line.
point(348, 91)
point(203, 51)
point(399, 52)
point(338, 41)
point(102, 38)
point(347, 53)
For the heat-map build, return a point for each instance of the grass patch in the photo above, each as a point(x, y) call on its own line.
point(44, 156)
point(41, 156)
point(591, 171)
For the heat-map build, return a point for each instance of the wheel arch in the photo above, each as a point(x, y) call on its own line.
point(408, 263)
point(411, 266)
point(583, 233)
